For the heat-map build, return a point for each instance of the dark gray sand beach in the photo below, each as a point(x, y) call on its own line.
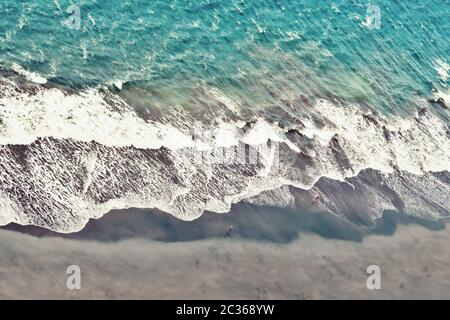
point(147, 254)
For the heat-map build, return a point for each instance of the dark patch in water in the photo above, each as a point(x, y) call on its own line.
point(386, 133)
point(339, 153)
point(438, 102)
point(371, 119)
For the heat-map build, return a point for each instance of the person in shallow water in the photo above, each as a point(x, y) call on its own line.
point(229, 231)
point(316, 200)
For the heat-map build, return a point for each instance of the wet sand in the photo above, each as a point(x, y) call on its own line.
point(413, 259)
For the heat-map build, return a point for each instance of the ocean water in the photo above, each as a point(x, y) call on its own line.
point(345, 102)
point(240, 47)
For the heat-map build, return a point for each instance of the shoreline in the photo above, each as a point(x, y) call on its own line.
point(249, 222)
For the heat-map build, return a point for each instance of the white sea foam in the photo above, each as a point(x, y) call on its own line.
point(83, 117)
point(69, 178)
point(443, 94)
point(442, 69)
point(31, 76)
point(118, 84)
point(417, 144)
point(9, 211)
point(87, 116)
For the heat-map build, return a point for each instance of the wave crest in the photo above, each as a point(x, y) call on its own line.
point(68, 157)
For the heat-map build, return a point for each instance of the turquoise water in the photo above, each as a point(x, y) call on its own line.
point(253, 51)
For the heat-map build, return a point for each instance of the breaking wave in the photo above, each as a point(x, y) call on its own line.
point(67, 156)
